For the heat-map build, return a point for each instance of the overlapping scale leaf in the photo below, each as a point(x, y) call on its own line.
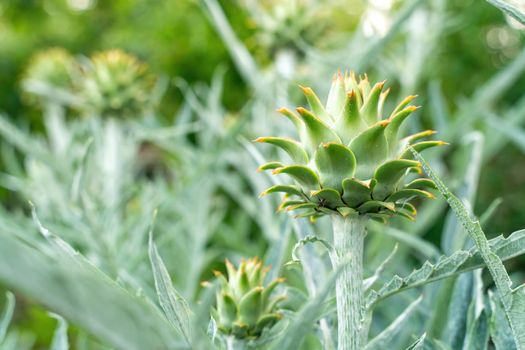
point(352, 157)
point(244, 306)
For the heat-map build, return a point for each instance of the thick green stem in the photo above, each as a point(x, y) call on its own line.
point(349, 234)
point(233, 343)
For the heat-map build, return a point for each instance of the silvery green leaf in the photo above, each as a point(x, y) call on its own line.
point(499, 328)
point(448, 266)
point(85, 296)
point(513, 300)
point(7, 314)
point(60, 340)
point(175, 307)
point(383, 339)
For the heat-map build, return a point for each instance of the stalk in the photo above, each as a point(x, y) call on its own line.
point(349, 234)
point(233, 343)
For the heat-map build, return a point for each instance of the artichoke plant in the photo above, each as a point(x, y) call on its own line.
point(115, 84)
point(349, 159)
point(244, 305)
point(350, 163)
point(54, 67)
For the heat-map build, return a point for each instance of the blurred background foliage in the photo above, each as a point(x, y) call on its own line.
point(176, 39)
point(446, 52)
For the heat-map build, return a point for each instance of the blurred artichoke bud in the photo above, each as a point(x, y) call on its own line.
point(115, 84)
point(350, 159)
point(244, 306)
point(51, 68)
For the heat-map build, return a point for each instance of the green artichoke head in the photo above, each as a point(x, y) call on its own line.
point(245, 306)
point(349, 157)
point(115, 84)
point(52, 67)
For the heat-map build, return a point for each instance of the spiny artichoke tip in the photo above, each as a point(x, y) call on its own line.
point(350, 159)
point(244, 305)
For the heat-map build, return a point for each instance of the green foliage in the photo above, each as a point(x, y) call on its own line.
point(245, 305)
point(359, 161)
point(95, 181)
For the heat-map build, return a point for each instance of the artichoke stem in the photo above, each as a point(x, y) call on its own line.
point(349, 234)
point(233, 343)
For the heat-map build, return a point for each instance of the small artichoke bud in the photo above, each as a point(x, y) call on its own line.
point(244, 305)
point(53, 67)
point(115, 84)
point(350, 157)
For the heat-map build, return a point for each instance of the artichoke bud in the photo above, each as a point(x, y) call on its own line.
point(244, 305)
point(350, 157)
point(115, 84)
point(53, 67)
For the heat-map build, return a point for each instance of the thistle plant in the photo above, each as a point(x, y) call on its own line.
point(351, 164)
point(115, 84)
point(244, 305)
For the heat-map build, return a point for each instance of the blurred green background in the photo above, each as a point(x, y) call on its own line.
point(177, 40)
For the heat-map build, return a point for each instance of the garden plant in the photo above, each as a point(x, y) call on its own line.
point(154, 197)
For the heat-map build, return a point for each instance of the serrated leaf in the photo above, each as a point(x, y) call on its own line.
point(452, 265)
point(173, 304)
point(370, 149)
point(512, 299)
point(388, 175)
point(305, 176)
point(355, 192)
point(499, 328)
point(335, 162)
point(306, 240)
point(293, 148)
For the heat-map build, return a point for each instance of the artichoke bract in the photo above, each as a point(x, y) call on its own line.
point(116, 84)
point(350, 158)
point(244, 305)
